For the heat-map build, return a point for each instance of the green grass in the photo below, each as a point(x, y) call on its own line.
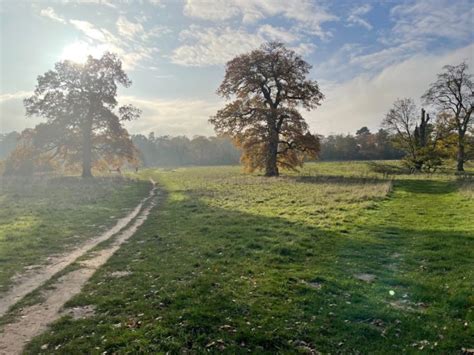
point(40, 218)
point(237, 263)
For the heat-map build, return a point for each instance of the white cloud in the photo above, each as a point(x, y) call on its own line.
point(50, 13)
point(132, 45)
point(215, 10)
point(433, 19)
point(308, 16)
point(355, 16)
point(304, 49)
point(277, 34)
point(216, 46)
point(130, 42)
point(417, 24)
point(172, 117)
point(158, 3)
point(387, 56)
point(364, 100)
point(213, 46)
point(14, 96)
point(91, 31)
point(129, 29)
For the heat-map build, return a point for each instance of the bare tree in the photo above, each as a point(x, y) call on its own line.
point(453, 93)
point(269, 85)
point(401, 121)
point(412, 134)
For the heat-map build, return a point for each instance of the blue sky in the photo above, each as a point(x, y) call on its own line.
point(365, 54)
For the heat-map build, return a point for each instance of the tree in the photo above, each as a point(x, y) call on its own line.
point(366, 143)
point(79, 103)
point(8, 142)
point(268, 86)
point(25, 159)
point(453, 92)
point(415, 136)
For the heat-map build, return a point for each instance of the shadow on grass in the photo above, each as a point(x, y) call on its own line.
point(212, 279)
point(388, 169)
point(339, 180)
point(434, 187)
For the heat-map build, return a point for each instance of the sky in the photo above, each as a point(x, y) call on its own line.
point(364, 54)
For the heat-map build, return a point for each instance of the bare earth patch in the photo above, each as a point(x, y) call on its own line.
point(37, 275)
point(34, 319)
point(80, 312)
point(365, 277)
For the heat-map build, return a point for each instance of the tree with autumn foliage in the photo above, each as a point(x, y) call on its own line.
point(453, 94)
point(25, 159)
point(268, 86)
point(83, 123)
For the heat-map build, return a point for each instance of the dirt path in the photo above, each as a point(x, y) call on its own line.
point(34, 319)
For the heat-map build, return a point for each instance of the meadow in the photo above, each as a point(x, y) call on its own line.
point(339, 258)
point(41, 218)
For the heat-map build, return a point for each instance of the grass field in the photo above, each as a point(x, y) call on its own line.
point(40, 218)
point(336, 259)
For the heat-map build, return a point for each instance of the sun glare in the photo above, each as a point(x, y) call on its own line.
point(79, 51)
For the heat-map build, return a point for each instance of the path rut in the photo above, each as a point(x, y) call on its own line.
point(34, 319)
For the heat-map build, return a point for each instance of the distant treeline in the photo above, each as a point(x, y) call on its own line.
point(180, 150)
point(199, 150)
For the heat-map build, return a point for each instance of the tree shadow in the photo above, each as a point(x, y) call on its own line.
point(337, 179)
point(260, 284)
point(424, 186)
point(388, 169)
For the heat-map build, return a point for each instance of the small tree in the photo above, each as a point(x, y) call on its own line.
point(79, 102)
point(268, 86)
point(453, 93)
point(413, 135)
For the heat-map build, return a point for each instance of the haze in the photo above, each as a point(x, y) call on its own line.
point(364, 54)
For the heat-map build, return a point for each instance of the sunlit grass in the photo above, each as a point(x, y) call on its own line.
point(43, 217)
point(239, 263)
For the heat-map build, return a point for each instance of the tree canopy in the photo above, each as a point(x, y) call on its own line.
point(414, 133)
point(79, 103)
point(267, 86)
point(453, 94)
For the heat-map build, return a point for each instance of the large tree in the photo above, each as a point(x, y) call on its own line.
point(453, 93)
point(268, 86)
point(80, 105)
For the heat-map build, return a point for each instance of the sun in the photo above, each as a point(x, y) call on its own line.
point(79, 51)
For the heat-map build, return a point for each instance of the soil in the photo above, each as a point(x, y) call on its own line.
point(34, 319)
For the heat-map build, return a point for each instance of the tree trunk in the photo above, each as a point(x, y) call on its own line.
point(418, 165)
point(271, 167)
point(87, 148)
point(460, 156)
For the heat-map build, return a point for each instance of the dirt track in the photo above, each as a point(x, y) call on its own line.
point(34, 319)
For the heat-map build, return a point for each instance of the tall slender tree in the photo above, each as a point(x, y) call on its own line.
point(453, 93)
point(268, 86)
point(79, 103)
